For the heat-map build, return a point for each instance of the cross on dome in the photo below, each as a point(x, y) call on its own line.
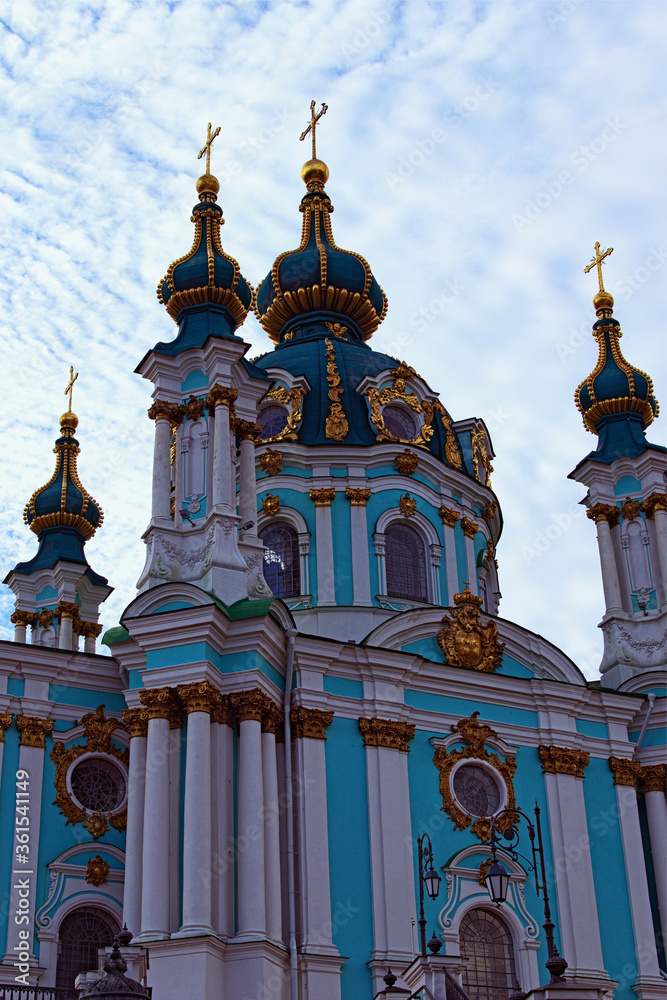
point(596, 261)
point(70, 385)
point(207, 147)
point(314, 118)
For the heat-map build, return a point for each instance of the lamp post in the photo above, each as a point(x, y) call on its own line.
point(497, 879)
point(428, 877)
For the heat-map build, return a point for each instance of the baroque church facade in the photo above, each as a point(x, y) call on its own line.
point(312, 702)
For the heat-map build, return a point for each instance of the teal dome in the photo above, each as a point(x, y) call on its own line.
point(319, 276)
point(206, 275)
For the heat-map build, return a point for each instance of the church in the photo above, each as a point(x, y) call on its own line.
point(312, 742)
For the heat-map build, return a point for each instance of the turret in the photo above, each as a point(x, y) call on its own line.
point(627, 499)
point(57, 593)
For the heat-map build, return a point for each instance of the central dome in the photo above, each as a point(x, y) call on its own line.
point(319, 276)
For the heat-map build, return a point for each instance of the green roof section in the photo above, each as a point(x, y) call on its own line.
point(114, 635)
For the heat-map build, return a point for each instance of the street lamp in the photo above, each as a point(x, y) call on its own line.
point(428, 877)
point(497, 879)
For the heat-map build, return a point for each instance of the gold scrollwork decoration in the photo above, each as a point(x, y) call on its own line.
point(98, 730)
point(293, 399)
point(630, 509)
point(324, 496)
point(337, 329)
point(464, 641)
point(97, 870)
point(474, 736)
point(5, 723)
point(33, 732)
point(407, 505)
point(449, 515)
point(655, 502)
point(389, 733)
point(270, 504)
point(271, 462)
point(358, 496)
point(626, 772)
point(562, 760)
point(335, 425)
point(654, 778)
point(480, 456)
point(406, 463)
point(608, 512)
point(310, 723)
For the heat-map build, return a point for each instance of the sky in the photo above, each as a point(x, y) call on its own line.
point(477, 152)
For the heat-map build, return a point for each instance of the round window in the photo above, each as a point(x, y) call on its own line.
point(399, 422)
point(98, 784)
point(273, 420)
point(476, 790)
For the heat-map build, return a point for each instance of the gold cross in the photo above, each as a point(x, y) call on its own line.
point(313, 122)
point(70, 386)
point(207, 147)
point(596, 261)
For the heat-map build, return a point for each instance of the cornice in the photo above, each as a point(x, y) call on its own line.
point(241, 680)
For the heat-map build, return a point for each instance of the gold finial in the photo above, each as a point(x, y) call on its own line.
point(313, 123)
point(596, 261)
point(207, 147)
point(70, 386)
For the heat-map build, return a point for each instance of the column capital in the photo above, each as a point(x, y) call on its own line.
point(68, 609)
point(324, 496)
point(162, 410)
point(90, 630)
point(5, 723)
point(33, 731)
point(24, 618)
point(562, 760)
point(273, 720)
point(470, 527)
point(604, 512)
point(358, 497)
point(163, 703)
point(250, 705)
point(654, 502)
point(310, 723)
point(449, 516)
point(394, 735)
point(199, 696)
point(136, 720)
point(653, 777)
point(222, 395)
point(490, 510)
point(626, 772)
point(247, 430)
point(221, 710)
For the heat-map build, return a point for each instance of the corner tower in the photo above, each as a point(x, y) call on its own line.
point(627, 499)
point(205, 394)
point(57, 593)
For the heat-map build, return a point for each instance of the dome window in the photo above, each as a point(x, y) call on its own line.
point(273, 420)
point(399, 422)
point(405, 563)
point(281, 560)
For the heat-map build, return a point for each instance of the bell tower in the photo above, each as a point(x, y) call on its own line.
point(627, 500)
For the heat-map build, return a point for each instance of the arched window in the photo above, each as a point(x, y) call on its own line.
point(281, 559)
point(486, 943)
point(81, 933)
point(273, 420)
point(405, 563)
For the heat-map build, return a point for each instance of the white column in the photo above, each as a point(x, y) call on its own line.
point(314, 894)
point(436, 553)
point(162, 461)
point(155, 880)
point(247, 483)
point(648, 971)
point(174, 751)
point(251, 905)
point(224, 488)
point(20, 620)
point(65, 632)
point(656, 813)
point(361, 574)
point(197, 814)
point(610, 582)
point(387, 745)
point(137, 721)
point(660, 518)
point(571, 859)
point(272, 861)
point(471, 568)
point(222, 794)
point(379, 541)
point(326, 583)
point(23, 877)
point(449, 518)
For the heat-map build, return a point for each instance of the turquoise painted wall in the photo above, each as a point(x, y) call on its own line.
point(618, 949)
point(465, 708)
point(349, 855)
point(10, 763)
point(341, 528)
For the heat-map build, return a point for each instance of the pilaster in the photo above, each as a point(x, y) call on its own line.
point(136, 720)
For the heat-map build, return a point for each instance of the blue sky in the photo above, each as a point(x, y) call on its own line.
point(477, 152)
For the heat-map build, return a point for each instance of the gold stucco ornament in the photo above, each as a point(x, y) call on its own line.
point(464, 641)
